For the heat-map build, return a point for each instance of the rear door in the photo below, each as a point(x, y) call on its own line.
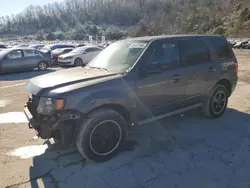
point(13, 61)
point(227, 65)
point(90, 53)
point(199, 69)
point(161, 84)
point(31, 58)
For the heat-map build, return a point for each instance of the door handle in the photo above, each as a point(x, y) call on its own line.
point(176, 78)
point(211, 69)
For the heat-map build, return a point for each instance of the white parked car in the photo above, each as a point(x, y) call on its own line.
point(79, 56)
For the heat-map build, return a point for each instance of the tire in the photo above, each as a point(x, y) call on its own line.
point(78, 62)
point(212, 108)
point(92, 140)
point(42, 66)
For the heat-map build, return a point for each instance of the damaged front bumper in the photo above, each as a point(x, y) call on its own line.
point(60, 126)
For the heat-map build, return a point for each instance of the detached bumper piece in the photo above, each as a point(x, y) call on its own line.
point(29, 117)
point(59, 126)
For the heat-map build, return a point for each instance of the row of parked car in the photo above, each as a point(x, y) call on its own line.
point(18, 58)
point(240, 43)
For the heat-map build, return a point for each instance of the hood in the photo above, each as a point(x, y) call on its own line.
point(67, 77)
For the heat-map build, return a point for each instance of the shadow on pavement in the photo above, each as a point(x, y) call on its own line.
point(159, 142)
point(23, 75)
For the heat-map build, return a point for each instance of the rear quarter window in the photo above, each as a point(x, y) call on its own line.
point(194, 51)
point(222, 48)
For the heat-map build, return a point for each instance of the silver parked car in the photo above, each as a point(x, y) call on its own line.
point(20, 59)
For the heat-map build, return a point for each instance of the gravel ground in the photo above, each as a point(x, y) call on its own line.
point(186, 150)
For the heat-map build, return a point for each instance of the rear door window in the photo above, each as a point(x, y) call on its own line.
point(96, 49)
point(89, 50)
point(29, 53)
point(222, 48)
point(194, 51)
point(67, 50)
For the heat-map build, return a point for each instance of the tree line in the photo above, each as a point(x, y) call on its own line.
point(76, 19)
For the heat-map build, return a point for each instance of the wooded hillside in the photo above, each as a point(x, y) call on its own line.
point(76, 19)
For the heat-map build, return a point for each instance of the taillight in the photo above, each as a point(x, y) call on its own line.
point(236, 67)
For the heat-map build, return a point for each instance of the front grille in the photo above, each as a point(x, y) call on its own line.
point(32, 104)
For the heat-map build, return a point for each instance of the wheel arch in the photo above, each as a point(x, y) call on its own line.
point(43, 61)
point(225, 82)
point(122, 110)
point(77, 58)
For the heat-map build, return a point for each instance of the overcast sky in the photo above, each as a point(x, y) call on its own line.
point(8, 7)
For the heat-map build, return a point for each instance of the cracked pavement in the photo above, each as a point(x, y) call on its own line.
point(185, 150)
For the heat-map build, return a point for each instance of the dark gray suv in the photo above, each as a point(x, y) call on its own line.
point(131, 82)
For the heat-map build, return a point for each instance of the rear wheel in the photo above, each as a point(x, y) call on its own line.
point(215, 105)
point(78, 62)
point(42, 66)
point(101, 135)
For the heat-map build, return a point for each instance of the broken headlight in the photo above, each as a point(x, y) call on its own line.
point(48, 106)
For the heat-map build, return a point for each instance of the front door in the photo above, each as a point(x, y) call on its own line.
point(13, 61)
point(160, 85)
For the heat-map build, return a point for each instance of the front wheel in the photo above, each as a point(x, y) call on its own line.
point(101, 135)
point(42, 66)
point(215, 104)
point(78, 62)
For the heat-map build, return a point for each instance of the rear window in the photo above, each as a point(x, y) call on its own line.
point(194, 51)
point(222, 48)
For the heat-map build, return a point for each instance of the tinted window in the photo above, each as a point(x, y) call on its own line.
point(222, 48)
point(15, 54)
point(96, 49)
point(165, 53)
point(194, 51)
point(89, 50)
point(29, 53)
point(68, 50)
point(92, 50)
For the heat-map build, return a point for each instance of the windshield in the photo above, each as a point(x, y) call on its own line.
point(3, 52)
point(119, 56)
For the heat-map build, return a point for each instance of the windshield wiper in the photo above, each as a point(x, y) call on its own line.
point(99, 68)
